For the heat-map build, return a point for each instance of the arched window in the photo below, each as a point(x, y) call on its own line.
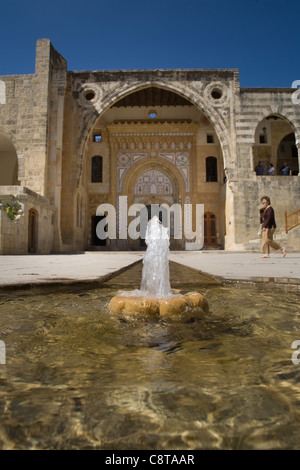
point(211, 169)
point(97, 169)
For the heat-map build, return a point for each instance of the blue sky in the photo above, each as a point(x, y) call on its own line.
point(261, 38)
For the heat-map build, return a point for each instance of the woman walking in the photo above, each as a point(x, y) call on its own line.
point(269, 226)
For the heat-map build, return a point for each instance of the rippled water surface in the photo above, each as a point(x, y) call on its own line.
point(78, 377)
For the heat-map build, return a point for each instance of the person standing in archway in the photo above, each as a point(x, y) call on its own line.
point(286, 169)
point(271, 169)
point(259, 169)
point(268, 229)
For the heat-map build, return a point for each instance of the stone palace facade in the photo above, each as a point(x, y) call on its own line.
point(71, 141)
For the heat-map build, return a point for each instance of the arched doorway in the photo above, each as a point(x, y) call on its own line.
point(157, 185)
point(32, 231)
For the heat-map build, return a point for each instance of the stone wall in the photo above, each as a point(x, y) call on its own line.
point(245, 187)
point(14, 235)
point(284, 193)
point(29, 118)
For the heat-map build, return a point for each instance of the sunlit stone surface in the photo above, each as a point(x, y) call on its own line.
point(191, 304)
point(156, 296)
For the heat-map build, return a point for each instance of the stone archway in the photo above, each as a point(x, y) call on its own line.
point(275, 142)
point(169, 145)
point(200, 98)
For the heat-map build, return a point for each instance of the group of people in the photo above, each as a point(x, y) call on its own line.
point(268, 226)
point(260, 170)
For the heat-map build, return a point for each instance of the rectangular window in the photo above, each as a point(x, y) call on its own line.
point(211, 169)
point(97, 163)
point(210, 139)
point(262, 139)
point(97, 138)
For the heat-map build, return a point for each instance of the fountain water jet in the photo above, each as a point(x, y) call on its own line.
point(155, 276)
point(155, 296)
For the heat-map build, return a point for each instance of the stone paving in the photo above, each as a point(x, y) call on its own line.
point(94, 266)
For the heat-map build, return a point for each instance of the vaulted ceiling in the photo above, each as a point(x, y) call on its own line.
point(152, 96)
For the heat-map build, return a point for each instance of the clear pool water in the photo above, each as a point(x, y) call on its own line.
point(78, 377)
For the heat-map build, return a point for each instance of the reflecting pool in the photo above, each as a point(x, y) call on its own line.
point(79, 377)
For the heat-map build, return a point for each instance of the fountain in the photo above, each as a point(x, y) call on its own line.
point(155, 296)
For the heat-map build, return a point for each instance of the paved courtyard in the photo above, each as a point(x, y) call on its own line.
point(31, 269)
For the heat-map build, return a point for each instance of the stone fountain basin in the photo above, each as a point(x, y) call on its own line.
point(177, 306)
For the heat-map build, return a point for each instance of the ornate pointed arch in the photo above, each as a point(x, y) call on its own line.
point(143, 166)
